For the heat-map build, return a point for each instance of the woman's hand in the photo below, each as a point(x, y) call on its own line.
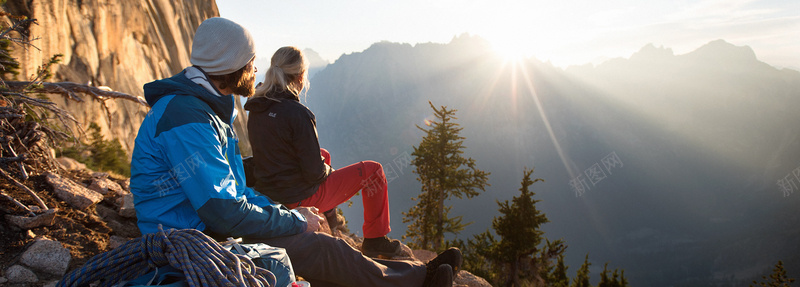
point(312, 217)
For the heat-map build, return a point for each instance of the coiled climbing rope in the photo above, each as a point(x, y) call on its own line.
point(203, 261)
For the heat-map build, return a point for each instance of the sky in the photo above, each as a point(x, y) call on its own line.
point(564, 32)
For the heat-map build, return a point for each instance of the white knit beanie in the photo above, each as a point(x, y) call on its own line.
point(221, 46)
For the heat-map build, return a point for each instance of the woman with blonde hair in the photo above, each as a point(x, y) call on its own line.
point(290, 167)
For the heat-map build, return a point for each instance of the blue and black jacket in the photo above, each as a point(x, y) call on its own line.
point(186, 170)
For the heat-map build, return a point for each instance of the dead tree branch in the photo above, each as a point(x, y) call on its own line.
point(25, 188)
point(12, 159)
point(16, 202)
point(70, 90)
point(20, 98)
point(22, 170)
point(18, 26)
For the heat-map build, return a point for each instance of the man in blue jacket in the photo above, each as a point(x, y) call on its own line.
point(187, 172)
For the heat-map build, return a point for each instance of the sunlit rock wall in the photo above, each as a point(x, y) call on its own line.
point(119, 44)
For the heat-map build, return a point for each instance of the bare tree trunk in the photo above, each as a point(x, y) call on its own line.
point(426, 237)
point(437, 243)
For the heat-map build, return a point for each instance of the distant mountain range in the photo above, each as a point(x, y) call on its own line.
point(315, 62)
point(668, 166)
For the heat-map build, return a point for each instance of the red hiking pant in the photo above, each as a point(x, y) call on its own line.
point(343, 183)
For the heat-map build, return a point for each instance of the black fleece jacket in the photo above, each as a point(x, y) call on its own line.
point(288, 166)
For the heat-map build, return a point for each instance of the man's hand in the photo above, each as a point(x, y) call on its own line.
point(312, 217)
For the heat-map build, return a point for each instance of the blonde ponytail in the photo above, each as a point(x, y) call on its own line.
point(288, 71)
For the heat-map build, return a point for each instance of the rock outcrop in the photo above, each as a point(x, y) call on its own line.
point(19, 274)
point(72, 193)
point(119, 44)
point(47, 256)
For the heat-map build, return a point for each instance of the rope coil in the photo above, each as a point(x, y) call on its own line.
point(203, 261)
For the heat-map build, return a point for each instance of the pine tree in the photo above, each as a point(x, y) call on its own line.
point(604, 280)
point(444, 173)
point(519, 230)
point(778, 278)
point(519, 257)
point(544, 267)
point(103, 155)
point(9, 66)
point(558, 278)
point(623, 282)
point(107, 155)
point(479, 257)
point(617, 278)
point(582, 277)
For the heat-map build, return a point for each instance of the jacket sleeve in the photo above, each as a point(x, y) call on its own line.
point(306, 142)
point(202, 169)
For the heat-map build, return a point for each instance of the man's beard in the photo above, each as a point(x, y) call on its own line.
point(245, 87)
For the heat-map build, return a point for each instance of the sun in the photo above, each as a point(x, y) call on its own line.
point(512, 45)
point(510, 51)
point(511, 29)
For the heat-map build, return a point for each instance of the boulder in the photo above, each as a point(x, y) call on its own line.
point(103, 185)
point(98, 174)
point(465, 278)
point(20, 274)
point(127, 209)
point(116, 241)
point(26, 222)
point(48, 256)
point(424, 255)
point(405, 254)
point(126, 184)
point(70, 163)
point(122, 227)
point(72, 193)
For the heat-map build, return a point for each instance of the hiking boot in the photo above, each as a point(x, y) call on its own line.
point(332, 216)
point(442, 276)
point(451, 257)
point(381, 246)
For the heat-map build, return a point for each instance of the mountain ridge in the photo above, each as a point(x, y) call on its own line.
point(701, 141)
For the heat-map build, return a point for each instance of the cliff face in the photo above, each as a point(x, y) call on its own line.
point(119, 44)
